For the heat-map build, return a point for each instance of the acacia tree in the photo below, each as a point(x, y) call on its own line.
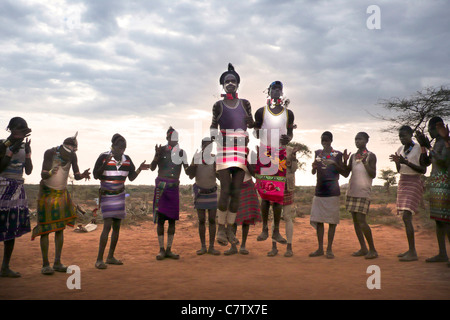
point(303, 151)
point(388, 176)
point(416, 110)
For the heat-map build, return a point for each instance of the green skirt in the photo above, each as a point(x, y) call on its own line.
point(55, 210)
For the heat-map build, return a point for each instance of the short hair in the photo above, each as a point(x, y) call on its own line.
point(364, 134)
point(434, 120)
point(407, 129)
point(328, 134)
point(15, 122)
point(117, 137)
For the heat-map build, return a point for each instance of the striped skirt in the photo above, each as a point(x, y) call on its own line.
point(360, 205)
point(440, 196)
point(249, 211)
point(113, 206)
point(14, 214)
point(232, 151)
point(55, 211)
point(112, 200)
point(409, 193)
point(204, 199)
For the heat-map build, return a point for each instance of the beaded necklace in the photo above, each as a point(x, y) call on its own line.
point(360, 156)
point(230, 96)
point(328, 155)
point(409, 150)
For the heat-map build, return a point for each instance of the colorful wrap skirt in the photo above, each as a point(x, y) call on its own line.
point(409, 193)
point(204, 198)
point(439, 187)
point(14, 214)
point(249, 211)
point(166, 199)
point(271, 175)
point(55, 211)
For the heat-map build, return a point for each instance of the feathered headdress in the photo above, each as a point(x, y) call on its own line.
point(71, 143)
point(229, 71)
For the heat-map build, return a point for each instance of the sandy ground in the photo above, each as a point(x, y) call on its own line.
point(238, 277)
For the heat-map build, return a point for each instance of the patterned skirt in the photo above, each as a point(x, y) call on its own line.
point(55, 211)
point(232, 151)
point(360, 205)
point(440, 196)
point(14, 214)
point(409, 193)
point(271, 175)
point(249, 211)
point(204, 199)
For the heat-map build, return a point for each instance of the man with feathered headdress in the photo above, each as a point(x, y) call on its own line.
point(274, 124)
point(233, 116)
point(55, 206)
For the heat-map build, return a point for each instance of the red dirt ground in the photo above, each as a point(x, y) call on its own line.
point(252, 277)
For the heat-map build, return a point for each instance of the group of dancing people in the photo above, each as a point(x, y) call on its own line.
point(251, 183)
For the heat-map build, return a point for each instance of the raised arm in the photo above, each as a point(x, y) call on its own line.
point(133, 172)
point(76, 171)
point(47, 170)
point(155, 161)
point(346, 168)
point(370, 163)
point(100, 164)
point(192, 169)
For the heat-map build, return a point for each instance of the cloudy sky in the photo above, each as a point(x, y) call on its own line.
point(137, 67)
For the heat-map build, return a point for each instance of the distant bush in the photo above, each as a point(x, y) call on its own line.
point(139, 204)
